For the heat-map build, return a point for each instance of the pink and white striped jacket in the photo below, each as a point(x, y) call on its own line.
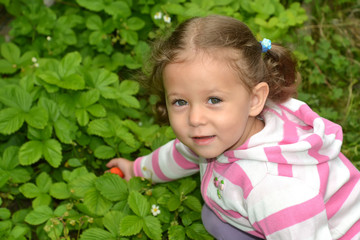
point(289, 181)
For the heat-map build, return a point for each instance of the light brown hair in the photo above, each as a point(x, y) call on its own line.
point(276, 67)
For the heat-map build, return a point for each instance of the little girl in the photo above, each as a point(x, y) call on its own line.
point(270, 167)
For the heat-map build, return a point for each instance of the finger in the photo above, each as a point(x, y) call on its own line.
point(112, 163)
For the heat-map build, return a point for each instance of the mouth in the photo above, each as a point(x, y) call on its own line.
point(203, 140)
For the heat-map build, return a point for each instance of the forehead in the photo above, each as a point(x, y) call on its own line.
point(194, 63)
point(200, 73)
point(207, 60)
point(192, 53)
point(220, 63)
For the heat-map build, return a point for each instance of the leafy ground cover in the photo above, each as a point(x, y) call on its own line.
point(69, 102)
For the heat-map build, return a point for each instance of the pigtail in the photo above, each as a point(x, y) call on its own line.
point(283, 77)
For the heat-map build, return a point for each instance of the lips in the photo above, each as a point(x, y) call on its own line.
point(203, 140)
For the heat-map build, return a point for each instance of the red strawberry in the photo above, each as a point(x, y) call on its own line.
point(117, 171)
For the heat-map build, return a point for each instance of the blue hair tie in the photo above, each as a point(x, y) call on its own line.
point(265, 45)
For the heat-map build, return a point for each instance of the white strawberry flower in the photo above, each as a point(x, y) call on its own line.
point(155, 210)
point(167, 19)
point(158, 15)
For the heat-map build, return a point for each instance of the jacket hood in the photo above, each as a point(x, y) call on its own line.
point(293, 134)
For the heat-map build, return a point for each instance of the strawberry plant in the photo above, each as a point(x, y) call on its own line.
point(69, 102)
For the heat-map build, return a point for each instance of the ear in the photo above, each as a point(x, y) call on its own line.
point(258, 98)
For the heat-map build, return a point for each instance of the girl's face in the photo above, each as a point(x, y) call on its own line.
point(209, 109)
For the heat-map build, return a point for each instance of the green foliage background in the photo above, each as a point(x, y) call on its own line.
point(69, 102)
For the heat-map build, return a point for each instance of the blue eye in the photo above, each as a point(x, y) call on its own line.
point(180, 102)
point(214, 100)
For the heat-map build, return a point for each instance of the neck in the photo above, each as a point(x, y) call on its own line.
point(253, 126)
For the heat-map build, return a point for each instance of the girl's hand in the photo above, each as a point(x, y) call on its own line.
point(126, 166)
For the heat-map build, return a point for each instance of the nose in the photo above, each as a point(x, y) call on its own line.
point(197, 116)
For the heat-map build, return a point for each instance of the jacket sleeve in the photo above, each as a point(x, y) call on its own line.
point(172, 161)
point(284, 208)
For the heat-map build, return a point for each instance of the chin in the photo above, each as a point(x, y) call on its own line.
point(208, 155)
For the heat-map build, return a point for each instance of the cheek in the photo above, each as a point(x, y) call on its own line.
point(232, 121)
point(176, 123)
